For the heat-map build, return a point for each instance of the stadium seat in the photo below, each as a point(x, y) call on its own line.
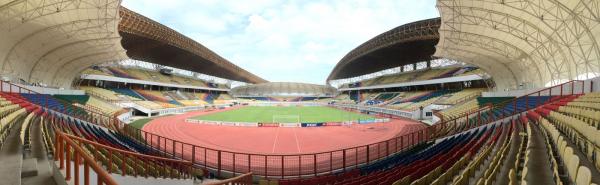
point(580, 133)
point(106, 94)
point(418, 75)
point(147, 74)
point(149, 105)
point(25, 135)
point(128, 92)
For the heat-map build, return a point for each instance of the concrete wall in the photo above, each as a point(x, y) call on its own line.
point(6, 87)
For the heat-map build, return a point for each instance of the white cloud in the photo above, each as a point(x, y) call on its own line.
point(284, 40)
point(257, 24)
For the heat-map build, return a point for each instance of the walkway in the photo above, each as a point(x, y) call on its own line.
point(38, 151)
point(539, 168)
point(11, 157)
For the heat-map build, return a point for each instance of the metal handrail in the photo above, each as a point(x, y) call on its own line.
point(416, 137)
point(373, 152)
point(79, 139)
point(352, 157)
point(185, 167)
point(20, 89)
point(244, 179)
point(66, 150)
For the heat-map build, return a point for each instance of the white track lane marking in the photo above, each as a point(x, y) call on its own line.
point(276, 138)
point(297, 142)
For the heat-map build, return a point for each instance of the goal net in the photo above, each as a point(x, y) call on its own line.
point(286, 119)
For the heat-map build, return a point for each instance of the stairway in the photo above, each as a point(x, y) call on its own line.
point(539, 168)
point(38, 153)
point(21, 166)
point(11, 157)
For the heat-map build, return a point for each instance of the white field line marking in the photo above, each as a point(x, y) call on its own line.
point(297, 142)
point(276, 138)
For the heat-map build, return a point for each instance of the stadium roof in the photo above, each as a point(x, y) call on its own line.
point(282, 89)
point(150, 41)
point(529, 43)
point(51, 41)
point(406, 44)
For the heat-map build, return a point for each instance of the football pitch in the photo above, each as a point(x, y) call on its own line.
point(304, 114)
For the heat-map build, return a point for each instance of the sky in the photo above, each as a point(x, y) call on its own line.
point(284, 41)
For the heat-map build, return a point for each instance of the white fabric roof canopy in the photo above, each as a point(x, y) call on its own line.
point(51, 41)
point(534, 43)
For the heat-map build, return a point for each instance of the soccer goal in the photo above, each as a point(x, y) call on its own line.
point(286, 119)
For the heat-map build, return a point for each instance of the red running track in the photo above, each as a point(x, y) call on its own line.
point(285, 151)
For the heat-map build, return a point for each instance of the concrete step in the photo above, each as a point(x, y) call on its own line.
point(29, 168)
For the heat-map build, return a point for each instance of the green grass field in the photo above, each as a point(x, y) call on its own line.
point(140, 122)
point(306, 114)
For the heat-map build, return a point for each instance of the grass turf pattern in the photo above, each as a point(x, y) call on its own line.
point(306, 114)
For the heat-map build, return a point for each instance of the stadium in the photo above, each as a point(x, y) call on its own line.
point(489, 92)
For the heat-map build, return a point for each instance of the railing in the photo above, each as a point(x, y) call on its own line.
point(466, 98)
point(449, 127)
point(386, 112)
point(92, 109)
point(473, 118)
point(128, 163)
point(164, 167)
point(459, 101)
point(93, 115)
point(278, 165)
point(574, 87)
point(102, 97)
point(437, 113)
point(67, 151)
point(71, 149)
point(314, 164)
point(245, 179)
